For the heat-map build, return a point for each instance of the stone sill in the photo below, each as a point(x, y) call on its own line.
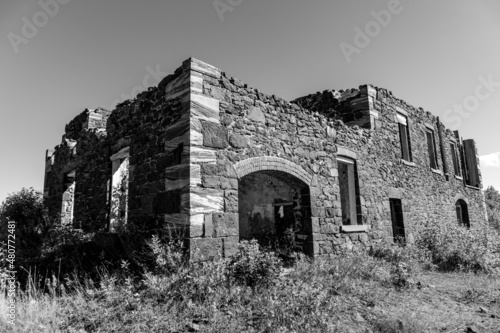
point(439, 172)
point(473, 187)
point(354, 228)
point(405, 162)
point(459, 178)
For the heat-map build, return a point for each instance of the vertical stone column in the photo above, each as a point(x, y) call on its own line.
point(213, 229)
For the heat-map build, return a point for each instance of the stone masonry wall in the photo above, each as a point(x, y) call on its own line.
point(196, 136)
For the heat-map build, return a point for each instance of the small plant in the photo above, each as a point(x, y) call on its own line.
point(252, 267)
point(168, 257)
point(401, 275)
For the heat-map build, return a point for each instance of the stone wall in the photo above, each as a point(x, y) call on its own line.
point(202, 142)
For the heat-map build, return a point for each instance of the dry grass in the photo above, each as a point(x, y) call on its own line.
point(386, 292)
point(342, 294)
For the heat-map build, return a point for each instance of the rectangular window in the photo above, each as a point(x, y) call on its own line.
point(431, 148)
point(351, 211)
point(68, 198)
point(119, 190)
point(398, 227)
point(454, 157)
point(471, 164)
point(404, 137)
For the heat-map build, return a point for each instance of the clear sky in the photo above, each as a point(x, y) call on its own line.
point(440, 55)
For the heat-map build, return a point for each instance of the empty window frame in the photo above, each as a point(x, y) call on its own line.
point(462, 213)
point(119, 190)
point(68, 198)
point(456, 161)
point(398, 226)
point(404, 137)
point(431, 148)
point(349, 192)
point(471, 163)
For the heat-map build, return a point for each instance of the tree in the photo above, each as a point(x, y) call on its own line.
point(492, 198)
point(26, 209)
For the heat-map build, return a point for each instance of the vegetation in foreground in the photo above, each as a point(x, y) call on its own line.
point(447, 282)
point(394, 289)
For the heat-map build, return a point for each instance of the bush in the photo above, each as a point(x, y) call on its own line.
point(253, 267)
point(455, 248)
point(168, 257)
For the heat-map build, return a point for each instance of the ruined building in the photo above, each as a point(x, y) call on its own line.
point(206, 156)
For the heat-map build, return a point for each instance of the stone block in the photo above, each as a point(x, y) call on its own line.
point(230, 245)
point(225, 224)
point(202, 155)
point(205, 200)
point(238, 141)
point(202, 249)
point(228, 183)
point(255, 114)
point(330, 212)
point(214, 135)
point(231, 201)
point(209, 227)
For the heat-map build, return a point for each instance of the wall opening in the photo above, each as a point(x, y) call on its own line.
point(404, 137)
point(119, 190)
point(398, 226)
point(349, 191)
point(275, 208)
point(68, 198)
point(456, 162)
point(431, 148)
point(462, 213)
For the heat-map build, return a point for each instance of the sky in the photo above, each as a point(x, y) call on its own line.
point(59, 57)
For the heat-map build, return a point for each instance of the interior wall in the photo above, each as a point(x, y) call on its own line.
point(257, 196)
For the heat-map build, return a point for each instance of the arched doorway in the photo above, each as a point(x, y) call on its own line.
point(274, 203)
point(462, 213)
point(274, 207)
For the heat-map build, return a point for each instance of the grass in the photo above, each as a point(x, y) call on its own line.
point(340, 294)
point(392, 289)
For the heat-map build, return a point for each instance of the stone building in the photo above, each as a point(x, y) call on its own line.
point(207, 157)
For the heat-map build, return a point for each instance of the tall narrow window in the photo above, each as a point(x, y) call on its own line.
point(404, 137)
point(454, 157)
point(471, 164)
point(431, 148)
point(462, 213)
point(348, 192)
point(398, 227)
point(68, 198)
point(119, 190)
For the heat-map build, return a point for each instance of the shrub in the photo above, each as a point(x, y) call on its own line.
point(168, 257)
point(455, 248)
point(253, 267)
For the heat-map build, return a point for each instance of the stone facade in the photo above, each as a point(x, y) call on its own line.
point(213, 160)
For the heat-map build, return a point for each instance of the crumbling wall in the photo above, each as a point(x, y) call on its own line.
point(82, 153)
point(193, 142)
point(254, 125)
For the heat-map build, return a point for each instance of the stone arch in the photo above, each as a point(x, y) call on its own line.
point(271, 163)
point(461, 197)
point(274, 204)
